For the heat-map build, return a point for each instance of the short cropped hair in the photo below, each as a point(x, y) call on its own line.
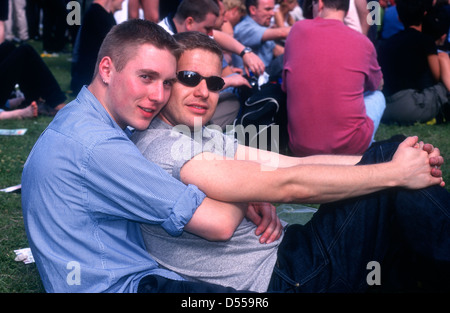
point(341, 5)
point(249, 3)
point(436, 23)
point(123, 39)
point(197, 40)
point(231, 4)
point(412, 12)
point(197, 9)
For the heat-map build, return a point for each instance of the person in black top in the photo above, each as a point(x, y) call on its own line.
point(22, 65)
point(97, 22)
point(415, 74)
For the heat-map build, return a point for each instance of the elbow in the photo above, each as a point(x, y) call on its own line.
point(224, 233)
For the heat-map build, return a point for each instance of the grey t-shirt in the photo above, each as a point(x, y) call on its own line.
point(242, 262)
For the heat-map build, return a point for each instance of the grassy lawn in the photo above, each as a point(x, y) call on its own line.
point(16, 277)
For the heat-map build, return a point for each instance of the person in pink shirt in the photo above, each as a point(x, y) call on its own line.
point(332, 79)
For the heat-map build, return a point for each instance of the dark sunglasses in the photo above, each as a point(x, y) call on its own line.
point(192, 79)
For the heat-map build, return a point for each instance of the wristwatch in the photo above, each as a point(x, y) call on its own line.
point(246, 50)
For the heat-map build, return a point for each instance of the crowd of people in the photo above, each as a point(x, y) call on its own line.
point(120, 195)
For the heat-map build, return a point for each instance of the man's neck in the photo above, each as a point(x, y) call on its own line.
point(333, 14)
point(176, 24)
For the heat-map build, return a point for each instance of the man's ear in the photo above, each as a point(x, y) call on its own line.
point(105, 69)
point(188, 23)
point(252, 10)
point(321, 6)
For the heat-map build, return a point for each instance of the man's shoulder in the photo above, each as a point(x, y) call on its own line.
point(167, 24)
point(86, 121)
point(246, 23)
point(158, 138)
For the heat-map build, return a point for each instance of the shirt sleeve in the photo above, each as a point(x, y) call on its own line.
point(130, 186)
point(374, 73)
point(249, 34)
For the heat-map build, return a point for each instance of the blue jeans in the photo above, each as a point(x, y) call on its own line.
point(375, 105)
point(400, 229)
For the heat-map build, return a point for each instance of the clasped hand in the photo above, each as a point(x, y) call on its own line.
point(420, 163)
point(264, 216)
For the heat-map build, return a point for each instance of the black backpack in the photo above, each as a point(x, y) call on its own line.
point(262, 120)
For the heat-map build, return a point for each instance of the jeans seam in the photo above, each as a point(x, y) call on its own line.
point(436, 203)
point(325, 257)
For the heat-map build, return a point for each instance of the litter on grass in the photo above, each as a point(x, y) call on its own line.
point(24, 255)
point(13, 132)
point(16, 188)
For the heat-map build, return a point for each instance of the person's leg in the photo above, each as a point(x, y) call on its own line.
point(375, 105)
point(21, 19)
point(410, 106)
point(332, 253)
point(25, 67)
point(8, 71)
point(18, 114)
point(151, 10)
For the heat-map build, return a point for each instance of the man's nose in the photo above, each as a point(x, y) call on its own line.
point(201, 90)
point(157, 93)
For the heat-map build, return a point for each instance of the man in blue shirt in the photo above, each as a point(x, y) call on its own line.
point(254, 32)
point(86, 187)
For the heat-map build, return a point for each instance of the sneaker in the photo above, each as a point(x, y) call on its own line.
point(46, 54)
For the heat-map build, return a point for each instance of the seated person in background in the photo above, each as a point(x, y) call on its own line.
point(317, 257)
point(283, 16)
point(97, 22)
point(234, 12)
point(391, 24)
point(356, 17)
point(24, 66)
point(416, 76)
point(201, 15)
point(254, 32)
point(333, 102)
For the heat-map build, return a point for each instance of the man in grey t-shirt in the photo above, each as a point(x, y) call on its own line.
point(170, 147)
point(318, 257)
point(191, 256)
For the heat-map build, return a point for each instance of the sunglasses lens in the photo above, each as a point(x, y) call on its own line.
point(192, 79)
point(215, 83)
point(189, 78)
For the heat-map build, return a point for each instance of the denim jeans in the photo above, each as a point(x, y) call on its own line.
point(375, 104)
point(400, 229)
point(159, 284)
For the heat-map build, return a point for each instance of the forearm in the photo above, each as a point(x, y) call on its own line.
point(215, 220)
point(247, 181)
point(227, 42)
point(298, 184)
point(275, 160)
point(277, 33)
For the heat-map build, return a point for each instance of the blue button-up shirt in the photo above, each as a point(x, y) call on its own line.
point(250, 33)
point(85, 189)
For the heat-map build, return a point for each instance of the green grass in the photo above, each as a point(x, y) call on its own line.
point(17, 277)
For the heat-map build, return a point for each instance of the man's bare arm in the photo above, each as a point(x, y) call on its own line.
point(272, 159)
point(251, 61)
point(215, 220)
point(245, 181)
